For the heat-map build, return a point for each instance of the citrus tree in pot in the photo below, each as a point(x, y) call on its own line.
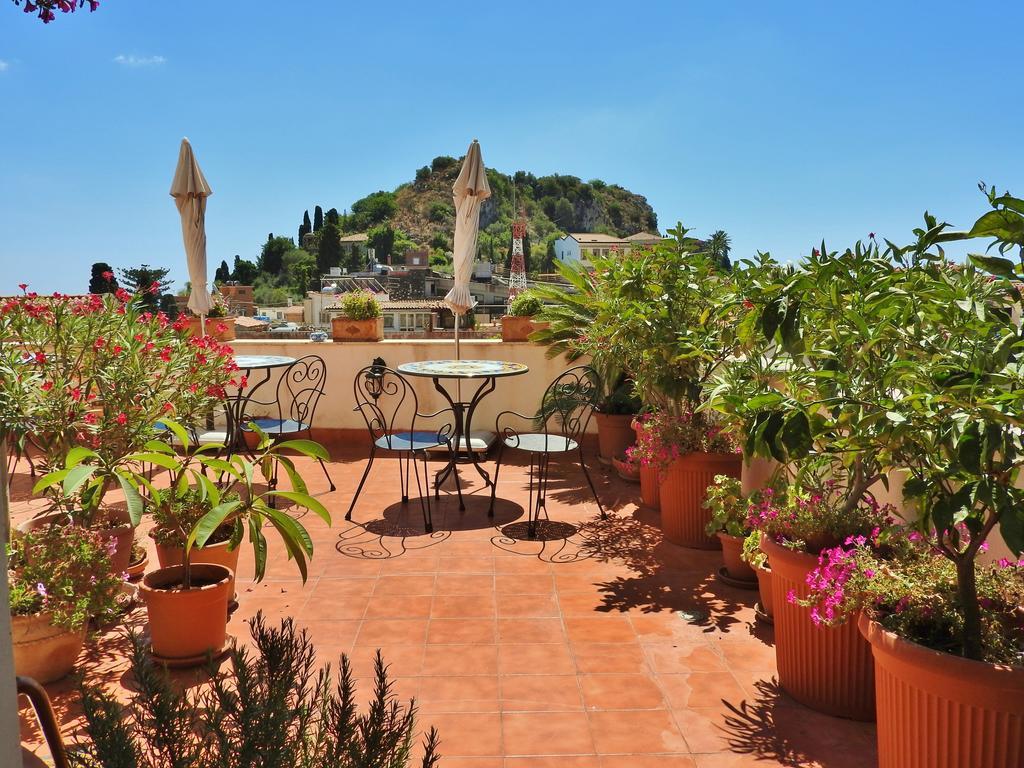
point(360, 318)
point(567, 316)
point(96, 372)
point(59, 578)
point(663, 318)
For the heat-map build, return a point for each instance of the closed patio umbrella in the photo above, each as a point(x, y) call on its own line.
point(469, 191)
point(190, 190)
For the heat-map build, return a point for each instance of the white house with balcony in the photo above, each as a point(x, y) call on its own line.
point(575, 246)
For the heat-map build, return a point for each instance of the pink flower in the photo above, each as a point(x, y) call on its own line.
point(122, 419)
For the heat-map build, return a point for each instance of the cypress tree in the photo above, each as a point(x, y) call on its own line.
point(304, 228)
point(329, 254)
point(223, 273)
point(318, 219)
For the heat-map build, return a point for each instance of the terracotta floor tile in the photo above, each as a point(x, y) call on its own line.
point(647, 761)
point(405, 584)
point(463, 606)
point(561, 761)
point(587, 603)
point(540, 693)
point(593, 658)
point(461, 631)
point(376, 632)
point(636, 731)
point(705, 729)
point(469, 564)
point(341, 607)
point(533, 659)
point(460, 660)
point(328, 588)
point(603, 629)
point(699, 689)
point(524, 583)
point(546, 733)
point(527, 606)
point(620, 692)
point(471, 693)
point(398, 607)
point(463, 584)
point(520, 566)
point(751, 655)
point(466, 734)
point(530, 631)
point(335, 634)
point(666, 627)
point(683, 658)
point(401, 660)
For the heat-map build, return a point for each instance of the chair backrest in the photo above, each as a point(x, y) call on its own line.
point(300, 388)
point(569, 402)
point(386, 399)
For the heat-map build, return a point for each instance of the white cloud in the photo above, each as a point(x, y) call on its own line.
point(4, 65)
point(131, 60)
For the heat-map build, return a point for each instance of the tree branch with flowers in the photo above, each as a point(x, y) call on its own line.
point(46, 10)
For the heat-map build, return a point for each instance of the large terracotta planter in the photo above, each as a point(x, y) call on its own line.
point(764, 586)
point(515, 328)
point(614, 435)
point(42, 651)
point(187, 624)
point(684, 486)
point(220, 328)
point(756, 474)
point(735, 565)
point(828, 669)
point(211, 554)
point(941, 711)
point(347, 329)
point(122, 535)
point(650, 482)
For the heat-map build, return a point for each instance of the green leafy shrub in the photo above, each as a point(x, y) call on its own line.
point(359, 305)
point(752, 554)
point(179, 514)
point(526, 304)
point(271, 708)
point(63, 570)
point(728, 507)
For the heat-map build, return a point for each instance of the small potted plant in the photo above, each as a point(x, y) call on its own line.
point(518, 322)
point(137, 562)
point(728, 508)
point(219, 323)
point(360, 318)
point(755, 557)
point(59, 578)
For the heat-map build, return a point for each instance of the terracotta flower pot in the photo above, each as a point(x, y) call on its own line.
point(515, 328)
point(41, 650)
point(220, 328)
point(936, 710)
point(614, 435)
point(735, 566)
point(684, 486)
point(136, 569)
point(828, 669)
point(347, 329)
point(212, 554)
point(187, 624)
point(650, 482)
point(122, 535)
point(764, 586)
point(627, 470)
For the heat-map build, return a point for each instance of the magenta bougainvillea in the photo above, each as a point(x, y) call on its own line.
point(47, 10)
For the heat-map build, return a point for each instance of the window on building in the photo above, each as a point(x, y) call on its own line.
point(389, 321)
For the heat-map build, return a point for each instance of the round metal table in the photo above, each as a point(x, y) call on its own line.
point(488, 371)
point(237, 403)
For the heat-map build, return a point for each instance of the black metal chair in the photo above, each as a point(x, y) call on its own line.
point(567, 405)
point(297, 393)
point(390, 409)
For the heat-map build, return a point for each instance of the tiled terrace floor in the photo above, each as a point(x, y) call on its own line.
point(587, 649)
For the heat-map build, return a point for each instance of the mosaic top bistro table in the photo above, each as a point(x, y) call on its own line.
point(486, 372)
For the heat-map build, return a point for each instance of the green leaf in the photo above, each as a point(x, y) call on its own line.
point(309, 448)
point(895, 417)
point(49, 480)
point(75, 477)
point(995, 265)
point(159, 459)
point(210, 522)
point(77, 455)
point(796, 435)
point(306, 501)
point(259, 547)
point(298, 484)
point(765, 400)
point(178, 430)
point(132, 498)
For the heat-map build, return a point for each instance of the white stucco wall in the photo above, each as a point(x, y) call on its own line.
point(520, 393)
point(567, 249)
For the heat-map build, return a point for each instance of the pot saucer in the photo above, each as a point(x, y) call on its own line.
point(725, 578)
point(761, 615)
point(191, 661)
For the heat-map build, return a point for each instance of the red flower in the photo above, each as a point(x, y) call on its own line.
point(99, 343)
point(76, 394)
point(168, 407)
point(108, 276)
point(165, 354)
point(22, 286)
point(90, 418)
point(47, 386)
point(40, 358)
point(747, 303)
point(123, 295)
point(122, 419)
point(154, 287)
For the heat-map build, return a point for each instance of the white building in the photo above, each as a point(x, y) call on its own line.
point(576, 246)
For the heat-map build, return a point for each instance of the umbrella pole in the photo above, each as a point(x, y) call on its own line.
point(202, 325)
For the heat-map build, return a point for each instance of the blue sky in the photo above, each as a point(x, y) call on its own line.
point(781, 123)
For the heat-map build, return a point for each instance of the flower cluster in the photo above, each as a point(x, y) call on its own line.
point(911, 589)
point(815, 519)
point(662, 437)
point(46, 8)
point(63, 570)
point(730, 509)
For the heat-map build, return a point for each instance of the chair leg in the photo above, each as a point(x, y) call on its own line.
point(359, 489)
point(593, 490)
point(403, 475)
point(494, 480)
point(327, 474)
point(424, 492)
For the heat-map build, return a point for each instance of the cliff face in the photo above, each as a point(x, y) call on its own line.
point(554, 204)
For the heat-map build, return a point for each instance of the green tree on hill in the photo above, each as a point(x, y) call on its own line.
point(318, 219)
point(223, 273)
point(244, 271)
point(273, 252)
point(102, 279)
point(718, 246)
point(372, 210)
point(305, 227)
point(329, 255)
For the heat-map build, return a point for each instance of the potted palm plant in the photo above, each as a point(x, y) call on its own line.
point(59, 578)
point(360, 318)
